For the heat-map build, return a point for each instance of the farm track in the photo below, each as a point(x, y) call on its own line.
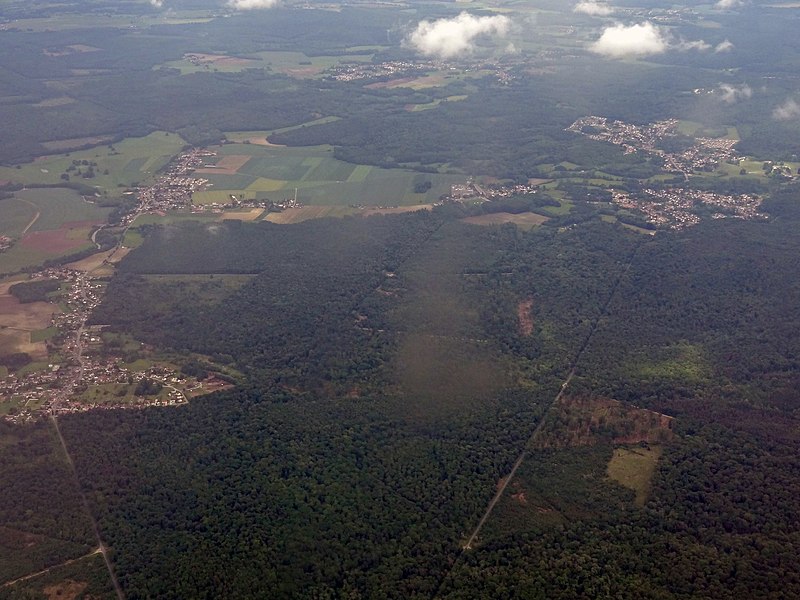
point(101, 548)
point(524, 453)
point(35, 217)
point(48, 569)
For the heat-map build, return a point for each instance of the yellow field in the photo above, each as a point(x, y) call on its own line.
point(243, 215)
point(297, 215)
point(17, 321)
point(634, 469)
point(263, 184)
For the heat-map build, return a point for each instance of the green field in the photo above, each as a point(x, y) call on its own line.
point(294, 64)
point(45, 209)
point(132, 160)
point(634, 469)
point(273, 172)
point(60, 205)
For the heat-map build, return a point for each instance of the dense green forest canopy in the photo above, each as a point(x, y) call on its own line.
point(390, 374)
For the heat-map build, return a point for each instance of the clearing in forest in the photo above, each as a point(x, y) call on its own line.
point(525, 317)
point(634, 468)
point(526, 219)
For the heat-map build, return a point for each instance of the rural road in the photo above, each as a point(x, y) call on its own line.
point(35, 217)
point(507, 479)
point(48, 569)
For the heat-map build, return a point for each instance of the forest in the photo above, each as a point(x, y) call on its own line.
point(343, 469)
point(629, 400)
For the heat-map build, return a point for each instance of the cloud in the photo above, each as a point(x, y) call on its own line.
point(446, 38)
point(726, 4)
point(620, 41)
point(593, 7)
point(724, 46)
point(731, 94)
point(157, 3)
point(251, 4)
point(787, 111)
point(684, 46)
point(625, 41)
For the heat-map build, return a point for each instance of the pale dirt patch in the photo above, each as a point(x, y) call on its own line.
point(248, 215)
point(525, 316)
point(50, 102)
point(97, 261)
point(15, 340)
point(304, 213)
point(28, 317)
point(500, 218)
point(66, 590)
point(228, 165)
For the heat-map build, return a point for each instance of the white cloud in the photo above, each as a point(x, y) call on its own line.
point(624, 41)
point(447, 38)
point(593, 7)
point(724, 46)
point(733, 93)
point(726, 4)
point(699, 45)
point(620, 41)
point(787, 111)
point(157, 3)
point(251, 4)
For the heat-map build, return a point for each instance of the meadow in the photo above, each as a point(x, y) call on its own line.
point(120, 164)
point(274, 172)
point(48, 222)
point(294, 64)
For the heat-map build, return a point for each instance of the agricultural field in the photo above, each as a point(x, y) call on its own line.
point(117, 165)
point(434, 103)
point(258, 172)
point(84, 20)
point(434, 79)
point(525, 220)
point(293, 64)
point(48, 222)
point(23, 326)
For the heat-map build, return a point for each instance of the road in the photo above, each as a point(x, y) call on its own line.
point(48, 569)
point(504, 484)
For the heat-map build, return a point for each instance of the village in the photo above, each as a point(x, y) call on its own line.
point(83, 376)
point(673, 208)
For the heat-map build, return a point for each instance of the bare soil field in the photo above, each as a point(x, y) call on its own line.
point(228, 165)
point(304, 213)
point(29, 317)
point(525, 316)
point(248, 215)
point(95, 262)
point(15, 340)
point(69, 236)
point(525, 219)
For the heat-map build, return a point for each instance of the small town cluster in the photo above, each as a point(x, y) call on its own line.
point(673, 207)
point(173, 189)
point(66, 386)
